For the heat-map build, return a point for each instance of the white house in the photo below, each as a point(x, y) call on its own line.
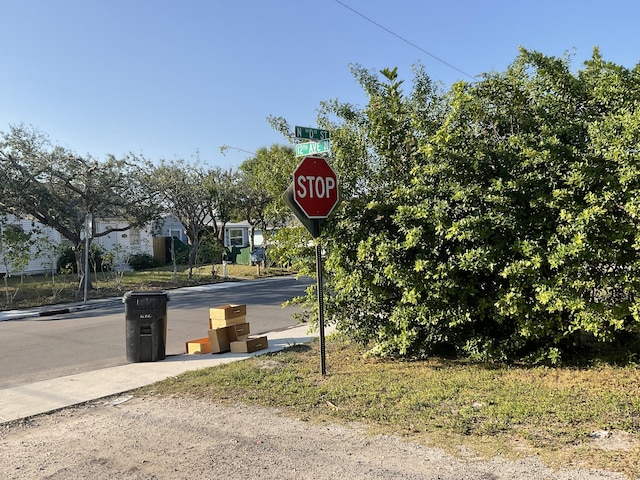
point(43, 257)
point(131, 241)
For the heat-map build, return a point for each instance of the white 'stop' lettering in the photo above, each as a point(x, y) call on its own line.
point(315, 187)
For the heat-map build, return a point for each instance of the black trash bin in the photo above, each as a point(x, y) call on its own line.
point(146, 325)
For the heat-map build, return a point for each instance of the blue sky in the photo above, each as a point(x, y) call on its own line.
point(168, 79)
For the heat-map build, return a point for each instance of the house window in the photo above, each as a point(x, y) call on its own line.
point(176, 234)
point(134, 237)
point(236, 237)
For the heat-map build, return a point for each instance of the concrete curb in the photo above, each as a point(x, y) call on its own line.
point(60, 309)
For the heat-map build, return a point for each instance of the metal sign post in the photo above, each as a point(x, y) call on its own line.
point(323, 354)
point(88, 230)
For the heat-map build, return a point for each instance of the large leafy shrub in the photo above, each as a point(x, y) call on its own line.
point(67, 260)
point(499, 221)
point(143, 261)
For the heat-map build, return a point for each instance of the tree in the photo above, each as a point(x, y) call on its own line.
point(15, 251)
point(263, 179)
point(57, 188)
point(223, 200)
point(373, 150)
point(182, 194)
point(202, 199)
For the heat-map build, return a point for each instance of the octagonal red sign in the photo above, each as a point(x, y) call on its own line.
point(315, 187)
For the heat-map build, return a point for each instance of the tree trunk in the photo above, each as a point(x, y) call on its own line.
point(173, 259)
point(195, 244)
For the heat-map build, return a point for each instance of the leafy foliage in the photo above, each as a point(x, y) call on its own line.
point(263, 179)
point(67, 259)
point(15, 251)
point(143, 261)
point(500, 220)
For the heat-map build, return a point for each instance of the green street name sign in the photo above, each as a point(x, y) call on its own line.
point(311, 133)
point(309, 148)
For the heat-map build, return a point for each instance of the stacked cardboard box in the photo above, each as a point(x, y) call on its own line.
point(228, 331)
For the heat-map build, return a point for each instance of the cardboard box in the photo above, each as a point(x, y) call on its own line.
point(226, 322)
point(227, 315)
point(249, 345)
point(224, 312)
point(201, 345)
point(239, 332)
point(219, 339)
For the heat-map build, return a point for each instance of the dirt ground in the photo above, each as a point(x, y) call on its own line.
point(135, 438)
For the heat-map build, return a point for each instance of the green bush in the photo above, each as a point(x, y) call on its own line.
point(67, 260)
point(143, 261)
point(499, 221)
point(210, 250)
point(181, 251)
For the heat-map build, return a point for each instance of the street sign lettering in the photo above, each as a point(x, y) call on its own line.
point(309, 148)
point(311, 133)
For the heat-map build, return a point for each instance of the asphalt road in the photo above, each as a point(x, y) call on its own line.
point(40, 348)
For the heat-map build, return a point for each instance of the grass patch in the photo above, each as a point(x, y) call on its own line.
point(36, 290)
point(490, 409)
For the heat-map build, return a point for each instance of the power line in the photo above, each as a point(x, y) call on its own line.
point(417, 47)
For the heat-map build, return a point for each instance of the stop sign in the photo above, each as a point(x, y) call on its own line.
point(315, 187)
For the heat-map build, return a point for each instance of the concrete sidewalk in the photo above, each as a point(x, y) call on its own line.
point(48, 395)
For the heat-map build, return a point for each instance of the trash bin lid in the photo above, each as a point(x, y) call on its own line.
point(145, 293)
